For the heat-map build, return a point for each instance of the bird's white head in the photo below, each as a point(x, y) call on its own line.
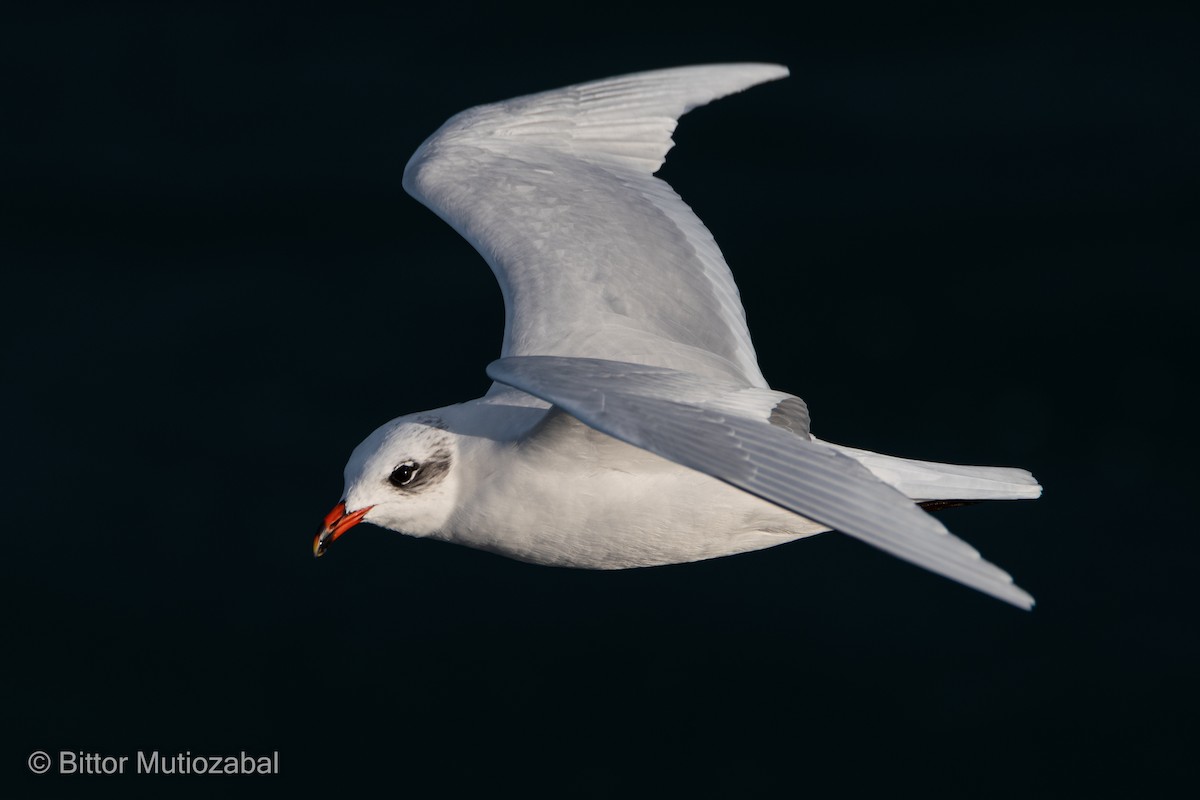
point(400, 477)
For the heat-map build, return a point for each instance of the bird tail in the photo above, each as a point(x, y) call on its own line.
point(924, 481)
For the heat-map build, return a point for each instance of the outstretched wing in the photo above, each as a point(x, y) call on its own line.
point(693, 422)
point(595, 256)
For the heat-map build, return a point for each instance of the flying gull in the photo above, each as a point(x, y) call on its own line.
point(628, 424)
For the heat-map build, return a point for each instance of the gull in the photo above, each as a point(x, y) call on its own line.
point(628, 424)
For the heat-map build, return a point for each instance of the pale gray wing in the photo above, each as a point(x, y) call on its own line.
point(595, 256)
point(708, 427)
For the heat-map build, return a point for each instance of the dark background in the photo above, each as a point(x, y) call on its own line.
point(960, 236)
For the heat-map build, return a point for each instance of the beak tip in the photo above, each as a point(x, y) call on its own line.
point(319, 545)
point(336, 523)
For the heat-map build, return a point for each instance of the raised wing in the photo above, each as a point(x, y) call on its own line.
point(595, 256)
point(696, 423)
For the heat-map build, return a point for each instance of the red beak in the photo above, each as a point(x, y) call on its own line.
point(337, 522)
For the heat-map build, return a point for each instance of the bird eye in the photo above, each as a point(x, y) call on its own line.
point(404, 474)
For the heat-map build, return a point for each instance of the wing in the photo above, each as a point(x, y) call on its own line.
point(699, 424)
point(595, 256)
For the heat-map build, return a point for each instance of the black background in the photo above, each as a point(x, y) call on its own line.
point(960, 236)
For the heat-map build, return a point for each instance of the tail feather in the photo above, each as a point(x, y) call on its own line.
point(924, 481)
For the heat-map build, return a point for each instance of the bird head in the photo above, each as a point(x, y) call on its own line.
point(400, 477)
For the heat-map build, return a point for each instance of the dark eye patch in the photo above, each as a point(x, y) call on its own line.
point(412, 476)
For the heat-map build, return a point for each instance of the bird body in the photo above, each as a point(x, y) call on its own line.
point(629, 424)
point(537, 485)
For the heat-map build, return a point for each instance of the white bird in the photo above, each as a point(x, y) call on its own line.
point(629, 424)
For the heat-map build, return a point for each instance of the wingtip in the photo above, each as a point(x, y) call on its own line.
point(772, 70)
point(1015, 596)
point(760, 71)
point(1025, 600)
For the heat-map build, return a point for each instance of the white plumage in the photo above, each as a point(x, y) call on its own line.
point(629, 424)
